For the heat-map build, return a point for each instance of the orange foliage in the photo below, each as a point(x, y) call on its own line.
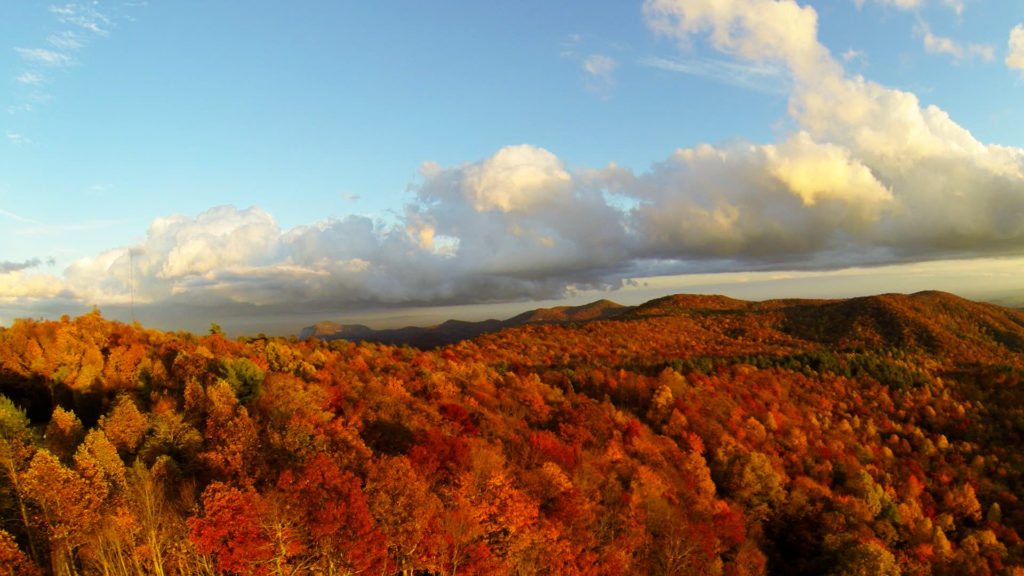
point(694, 435)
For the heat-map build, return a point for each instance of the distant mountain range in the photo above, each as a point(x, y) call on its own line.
point(927, 319)
point(451, 331)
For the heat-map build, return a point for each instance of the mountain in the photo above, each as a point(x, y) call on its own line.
point(689, 304)
point(327, 329)
point(936, 321)
point(452, 331)
point(599, 310)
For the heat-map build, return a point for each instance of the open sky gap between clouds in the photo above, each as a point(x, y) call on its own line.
point(866, 176)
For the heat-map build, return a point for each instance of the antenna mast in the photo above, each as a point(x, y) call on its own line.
point(131, 280)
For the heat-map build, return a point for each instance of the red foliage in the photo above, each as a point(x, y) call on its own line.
point(435, 453)
point(230, 529)
point(459, 415)
point(547, 447)
point(333, 508)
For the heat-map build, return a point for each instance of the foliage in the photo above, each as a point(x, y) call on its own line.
point(696, 436)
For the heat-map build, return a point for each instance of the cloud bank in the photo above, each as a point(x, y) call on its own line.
point(867, 176)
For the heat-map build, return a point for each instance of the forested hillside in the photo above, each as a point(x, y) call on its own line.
point(689, 435)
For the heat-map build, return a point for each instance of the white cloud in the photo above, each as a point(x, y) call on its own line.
point(520, 225)
point(81, 22)
point(20, 285)
point(1015, 55)
point(84, 15)
point(600, 71)
point(14, 216)
point(926, 159)
point(816, 172)
point(852, 55)
point(956, 5)
point(886, 126)
point(65, 40)
point(761, 30)
point(766, 78)
point(868, 176)
point(29, 78)
point(45, 57)
point(599, 66)
point(17, 139)
point(901, 4)
point(219, 238)
point(942, 45)
point(517, 178)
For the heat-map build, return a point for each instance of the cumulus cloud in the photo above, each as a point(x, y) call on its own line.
point(867, 176)
point(20, 285)
point(1015, 56)
point(463, 239)
point(517, 178)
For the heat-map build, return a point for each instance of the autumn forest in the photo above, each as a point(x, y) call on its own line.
point(689, 435)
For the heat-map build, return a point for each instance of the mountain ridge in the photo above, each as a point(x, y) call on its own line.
point(452, 331)
point(928, 319)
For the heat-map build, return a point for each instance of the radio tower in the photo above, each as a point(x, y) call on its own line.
point(131, 281)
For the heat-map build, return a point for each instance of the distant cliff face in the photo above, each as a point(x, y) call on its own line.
point(328, 330)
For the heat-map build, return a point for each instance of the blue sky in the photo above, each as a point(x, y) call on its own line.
point(268, 163)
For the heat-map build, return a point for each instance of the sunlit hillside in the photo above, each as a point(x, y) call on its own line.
point(689, 435)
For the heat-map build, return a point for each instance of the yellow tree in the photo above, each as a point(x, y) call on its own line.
point(13, 561)
point(68, 507)
point(405, 510)
point(16, 449)
point(63, 433)
point(109, 546)
point(124, 425)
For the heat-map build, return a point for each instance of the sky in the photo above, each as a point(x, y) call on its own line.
point(264, 165)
